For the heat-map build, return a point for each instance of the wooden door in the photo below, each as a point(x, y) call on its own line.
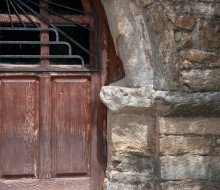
point(50, 118)
point(46, 123)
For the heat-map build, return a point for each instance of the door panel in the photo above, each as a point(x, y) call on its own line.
point(70, 116)
point(19, 125)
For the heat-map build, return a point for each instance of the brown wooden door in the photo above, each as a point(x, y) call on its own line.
point(46, 123)
point(50, 119)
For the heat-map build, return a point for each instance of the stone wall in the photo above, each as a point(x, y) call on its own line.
point(188, 153)
point(164, 116)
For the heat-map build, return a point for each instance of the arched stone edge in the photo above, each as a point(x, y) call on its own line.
point(137, 91)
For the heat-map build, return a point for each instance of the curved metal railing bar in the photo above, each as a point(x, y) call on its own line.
point(17, 14)
point(31, 29)
point(47, 57)
point(40, 43)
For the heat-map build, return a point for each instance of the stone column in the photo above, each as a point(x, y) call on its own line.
point(131, 138)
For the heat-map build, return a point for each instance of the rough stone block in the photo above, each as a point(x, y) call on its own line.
point(122, 99)
point(132, 134)
point(198, 104)
point(131, 151)
point(189, 126)
point(122, 186)
point(202, 80)
point(198, 56)
point(132, 163)
point(210, 34)
point(179, 145)
point(206, 8)
point(188, 185)
point(186, 65)
point(187, 41)
point(147, 2)
point(186, 22)
point(217, 151)
point(129, 177)
point(190, 167)
point(165, 54)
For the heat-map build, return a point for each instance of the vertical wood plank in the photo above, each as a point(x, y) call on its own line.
point(20, 126)
point(45, 127)
point(71, 115)
point(86, 5)
point(44, 35)
point(1, 133)
point(99, 114)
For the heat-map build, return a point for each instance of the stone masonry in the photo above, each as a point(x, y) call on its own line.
point(164, 116)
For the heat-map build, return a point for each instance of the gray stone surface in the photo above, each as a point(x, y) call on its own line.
point(188, 185)
point(163, 45)
point(131, 40)
point(120, 186)
point(202, 80)
point(190, 167)
point(122, 99)
point(179, 145)
point(187, 104)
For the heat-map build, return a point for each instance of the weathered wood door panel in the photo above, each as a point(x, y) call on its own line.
point(71, 123)
point(19, 126)
point(45, 131)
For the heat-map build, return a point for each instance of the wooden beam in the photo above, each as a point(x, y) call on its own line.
point(45, 123)
point(86, 5)
point(44, 36)
point(5, 19)
point(70, 19)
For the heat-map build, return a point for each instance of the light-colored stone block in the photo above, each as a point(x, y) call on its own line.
point(189, 126)
point(179, 145)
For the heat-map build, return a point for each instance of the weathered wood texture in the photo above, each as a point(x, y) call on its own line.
point(19, 126)
point(71, 123)
point(47, 184)
point(45, 127)
point(29, 104)
point(4, 19)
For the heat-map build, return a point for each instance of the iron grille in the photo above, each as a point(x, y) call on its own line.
point(30, 16)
